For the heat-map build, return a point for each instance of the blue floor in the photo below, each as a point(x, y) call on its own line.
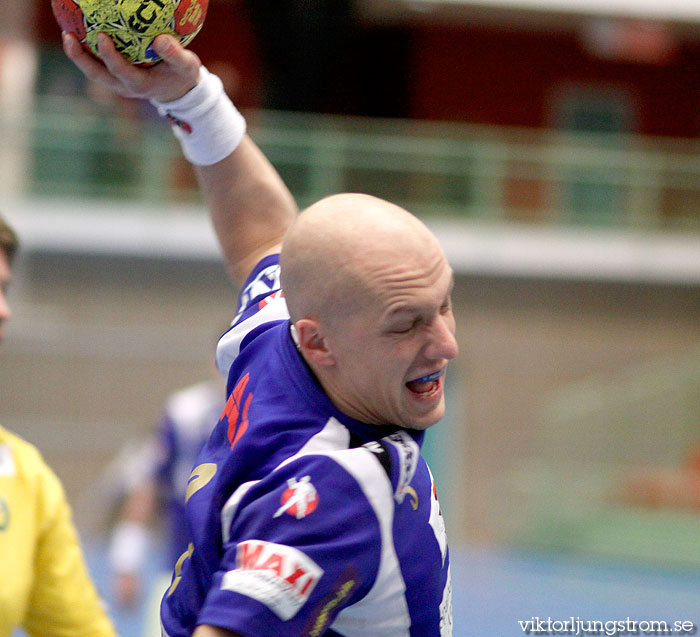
point(494, 590)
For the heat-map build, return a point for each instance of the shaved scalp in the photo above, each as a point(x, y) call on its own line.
point(334, 248)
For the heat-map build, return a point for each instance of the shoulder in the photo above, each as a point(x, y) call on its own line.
point(194, 398)
point(188, 408)
point(314, 518)
point(261, 304)
point(399, 455)
point(32, 477)
point(20, 457)
point(323, 519)
point(345, 482)
point(263, 279)
point(16, 444)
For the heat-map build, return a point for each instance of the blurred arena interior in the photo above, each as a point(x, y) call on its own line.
point(554, 148)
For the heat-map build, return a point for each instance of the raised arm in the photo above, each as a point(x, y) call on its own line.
point(250, 206)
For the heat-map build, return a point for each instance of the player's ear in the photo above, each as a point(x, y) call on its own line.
point(312, 343)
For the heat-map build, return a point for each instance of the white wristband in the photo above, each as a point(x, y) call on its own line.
point(205, 121)
point(127, 550)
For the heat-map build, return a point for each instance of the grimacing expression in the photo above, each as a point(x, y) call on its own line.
point(368, 287)
point(391, 356)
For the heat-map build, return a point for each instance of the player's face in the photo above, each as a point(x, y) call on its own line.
point(392, 355)
point(4, 284)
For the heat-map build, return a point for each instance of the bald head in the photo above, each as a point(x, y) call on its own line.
point(335, 249)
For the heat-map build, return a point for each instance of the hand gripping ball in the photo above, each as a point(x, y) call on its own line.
point(132, 24)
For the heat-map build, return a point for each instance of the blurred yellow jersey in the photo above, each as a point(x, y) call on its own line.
point(45, 588)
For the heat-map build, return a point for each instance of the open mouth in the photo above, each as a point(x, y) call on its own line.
point(426, 385)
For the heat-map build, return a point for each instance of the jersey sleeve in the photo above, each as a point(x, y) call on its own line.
point(301, 545)
point(260, 303)
point(64, 602)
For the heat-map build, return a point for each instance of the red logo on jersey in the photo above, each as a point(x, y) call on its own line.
point(271, 297)
point(296, 571)
point(236, 411)
point(299, 498)
point(279, 576)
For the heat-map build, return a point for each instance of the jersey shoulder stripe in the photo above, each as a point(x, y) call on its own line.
point(400, 451)
point(261, 302)
point(377, 468)
point(333, 436)
point(384, 609)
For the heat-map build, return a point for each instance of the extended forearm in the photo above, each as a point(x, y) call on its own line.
point(250, 206)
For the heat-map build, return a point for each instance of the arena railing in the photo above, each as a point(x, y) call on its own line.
point(78, 148)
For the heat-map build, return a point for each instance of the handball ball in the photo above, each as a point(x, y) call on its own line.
point(132, 24)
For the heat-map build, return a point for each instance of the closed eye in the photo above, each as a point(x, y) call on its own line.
point(405, 328)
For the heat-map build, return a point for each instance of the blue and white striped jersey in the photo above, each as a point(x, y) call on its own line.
point(302, 520)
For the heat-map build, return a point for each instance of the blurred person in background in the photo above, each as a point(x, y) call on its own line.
point(46, 589)
point(311, 509)
point(155, 478)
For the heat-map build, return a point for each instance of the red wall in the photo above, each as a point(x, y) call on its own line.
point(225, 37)
point(500, 77)
point(463, 73)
